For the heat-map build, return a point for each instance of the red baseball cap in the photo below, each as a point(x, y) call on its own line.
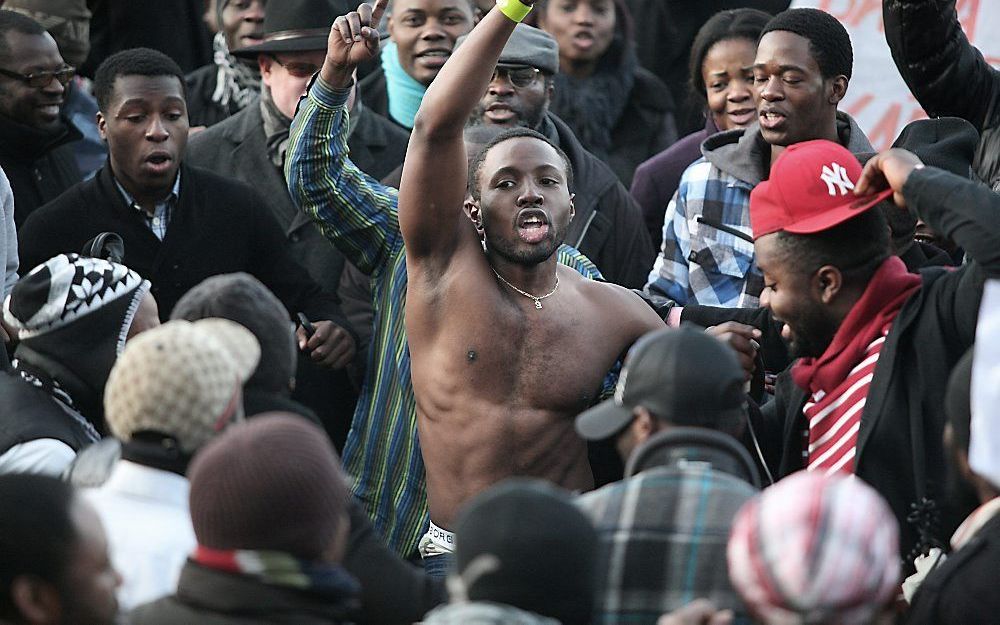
point(811, 189)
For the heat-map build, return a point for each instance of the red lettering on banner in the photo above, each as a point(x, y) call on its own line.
point(853, 12)
point(968, 16)
point(890, 121)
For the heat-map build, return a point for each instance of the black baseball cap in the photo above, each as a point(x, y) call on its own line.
point(681, 375)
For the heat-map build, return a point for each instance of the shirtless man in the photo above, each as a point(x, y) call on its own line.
point(506, 346)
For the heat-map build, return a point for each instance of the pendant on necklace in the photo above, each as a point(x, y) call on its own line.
point(538, 304)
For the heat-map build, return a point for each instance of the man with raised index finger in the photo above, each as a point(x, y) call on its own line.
point(496, 403)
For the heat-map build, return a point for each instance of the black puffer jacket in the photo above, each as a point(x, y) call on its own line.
point(946, 74)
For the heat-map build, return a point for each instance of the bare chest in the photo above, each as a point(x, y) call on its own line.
point(554, 358)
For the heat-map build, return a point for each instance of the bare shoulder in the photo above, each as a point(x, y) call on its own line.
point(616, 303)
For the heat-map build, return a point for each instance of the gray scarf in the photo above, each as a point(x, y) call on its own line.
point(277, 126)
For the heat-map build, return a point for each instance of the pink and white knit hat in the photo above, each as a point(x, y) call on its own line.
point(815, 549)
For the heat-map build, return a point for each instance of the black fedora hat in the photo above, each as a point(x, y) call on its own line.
point(297, 26)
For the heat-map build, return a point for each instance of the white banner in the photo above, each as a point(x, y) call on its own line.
point(878, 98)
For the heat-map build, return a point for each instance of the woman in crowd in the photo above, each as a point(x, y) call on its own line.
point(722, 80)
point(620, 112)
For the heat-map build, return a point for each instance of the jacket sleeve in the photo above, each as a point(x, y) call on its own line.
point(773, 349)
point(392, 591)
point(633, 251)
point(967, 213)
point(291, 283)
point(944, 72)
point(8, 237)
point(353, 210)
point(669, 277)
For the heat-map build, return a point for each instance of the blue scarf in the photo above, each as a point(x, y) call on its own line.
point(405, 93)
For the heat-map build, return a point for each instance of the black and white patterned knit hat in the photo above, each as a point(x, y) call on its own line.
point(67, 287)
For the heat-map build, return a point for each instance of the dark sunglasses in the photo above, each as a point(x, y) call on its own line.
point(38, 80)
point(520, 77)
point(299, 70)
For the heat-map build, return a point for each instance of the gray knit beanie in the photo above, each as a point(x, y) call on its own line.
point(273, 483)
point(242, 298)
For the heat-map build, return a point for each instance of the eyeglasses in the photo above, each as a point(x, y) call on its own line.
point(520, 77)
point(299, 70)
point(38, 80)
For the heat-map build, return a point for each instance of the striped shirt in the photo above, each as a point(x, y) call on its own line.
point(834, 418)
point(359, 215)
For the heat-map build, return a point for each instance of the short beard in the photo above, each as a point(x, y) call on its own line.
point(814, 334)
point(523, 119)
point(530, 256)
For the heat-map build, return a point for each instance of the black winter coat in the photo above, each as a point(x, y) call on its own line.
point(608, 227)
point(202, 110)
point(237, 149)
point(945, 73)
point(218, 226)
point(962, 590)
point(39, 166)
point(28, 413)
point(645, 128)
point(393, 592)
point(175, 28)
point(209, 597)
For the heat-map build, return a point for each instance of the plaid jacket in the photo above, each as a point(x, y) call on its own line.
point(707, 253)
point(663, 535)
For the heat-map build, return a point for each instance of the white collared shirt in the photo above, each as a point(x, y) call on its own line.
point(145, 514)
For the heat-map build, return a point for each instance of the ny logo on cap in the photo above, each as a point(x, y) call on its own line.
point(836, 179)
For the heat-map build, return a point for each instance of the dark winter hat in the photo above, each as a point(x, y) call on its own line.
point(528, 47)
point(273, 483)
point(683, 376)
point(75, 312)
point(523, 543)
point(297, 26)
point(244, 299)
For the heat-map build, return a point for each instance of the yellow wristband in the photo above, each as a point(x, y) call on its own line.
point(514, 9)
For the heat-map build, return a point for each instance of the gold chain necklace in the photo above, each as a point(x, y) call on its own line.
point(538, 298)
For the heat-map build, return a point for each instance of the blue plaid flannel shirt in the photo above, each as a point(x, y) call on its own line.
point(707, 254)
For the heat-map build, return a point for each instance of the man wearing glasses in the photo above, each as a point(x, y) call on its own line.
point(34, 136)
point(607, 227)
point(250, 146)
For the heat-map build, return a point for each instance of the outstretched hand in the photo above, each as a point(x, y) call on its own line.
point(888, 169)
point(353, 40)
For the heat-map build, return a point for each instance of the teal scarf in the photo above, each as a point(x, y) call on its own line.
point(404, 92)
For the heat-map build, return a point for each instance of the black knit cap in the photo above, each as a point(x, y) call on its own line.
point(244, 299)
point(273, 483)
point(523, 543)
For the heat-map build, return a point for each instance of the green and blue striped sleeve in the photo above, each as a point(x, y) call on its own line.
point(354, 211)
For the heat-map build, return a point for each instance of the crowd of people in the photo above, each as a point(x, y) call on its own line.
point(441, 311)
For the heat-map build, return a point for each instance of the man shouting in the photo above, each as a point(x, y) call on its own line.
point(506, 345)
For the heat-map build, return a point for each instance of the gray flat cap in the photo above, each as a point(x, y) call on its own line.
point(530, 47)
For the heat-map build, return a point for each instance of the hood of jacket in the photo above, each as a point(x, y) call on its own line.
point(743, 153)
point(483, 613)
point(591, 177)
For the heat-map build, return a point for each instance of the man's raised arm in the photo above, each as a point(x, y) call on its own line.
point(435, 172)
